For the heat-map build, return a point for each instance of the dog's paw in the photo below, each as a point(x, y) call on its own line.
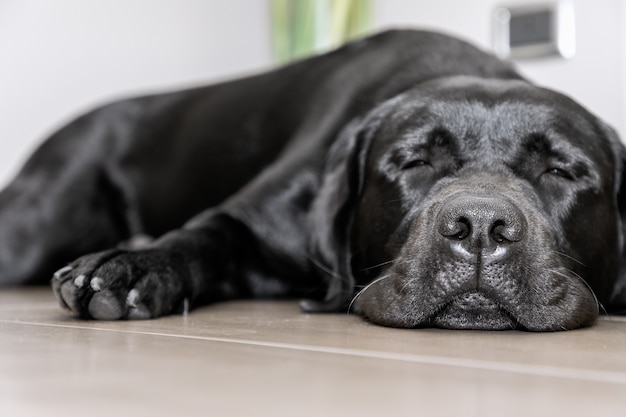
point(119, 284)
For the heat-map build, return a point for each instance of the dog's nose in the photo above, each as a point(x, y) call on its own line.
point(482, 225)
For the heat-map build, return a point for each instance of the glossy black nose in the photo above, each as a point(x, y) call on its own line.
point(481, 225)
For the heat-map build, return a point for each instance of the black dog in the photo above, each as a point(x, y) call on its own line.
point(409, 176)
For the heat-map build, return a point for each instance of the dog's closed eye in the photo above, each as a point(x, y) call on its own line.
point(416, 163)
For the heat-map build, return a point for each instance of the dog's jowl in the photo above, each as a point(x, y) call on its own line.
point(408, 177)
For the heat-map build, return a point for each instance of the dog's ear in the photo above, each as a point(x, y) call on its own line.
point(618, 296)
point(330, 219)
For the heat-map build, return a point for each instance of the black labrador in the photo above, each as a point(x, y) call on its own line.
point(408, 177)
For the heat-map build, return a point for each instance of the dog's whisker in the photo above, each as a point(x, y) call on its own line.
point(367, 287)
point(398, 200)
point(325, 269)
point(599, 306)
point(569, 257)
point(378, 265)
point(598, 303)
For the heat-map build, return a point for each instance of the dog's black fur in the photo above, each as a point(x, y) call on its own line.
point(407, 176)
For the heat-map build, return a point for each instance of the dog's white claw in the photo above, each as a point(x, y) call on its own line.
point(79, 281)
point(133, 298)
point(96, 284)
point(138, 310)
point(62, 272)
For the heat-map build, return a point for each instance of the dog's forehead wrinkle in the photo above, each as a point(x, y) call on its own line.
point(490, 123)
point(489, 127)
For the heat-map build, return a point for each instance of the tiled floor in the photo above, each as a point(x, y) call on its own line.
point(268, 359)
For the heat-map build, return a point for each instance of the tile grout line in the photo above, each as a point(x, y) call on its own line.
point(534, 370)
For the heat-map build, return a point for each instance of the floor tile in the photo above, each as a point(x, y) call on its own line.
point(267, 358)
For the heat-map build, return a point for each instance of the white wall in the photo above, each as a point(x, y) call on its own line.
point(596, 76)
point(60, 57)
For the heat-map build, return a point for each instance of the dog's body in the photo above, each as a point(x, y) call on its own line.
point(409, 165)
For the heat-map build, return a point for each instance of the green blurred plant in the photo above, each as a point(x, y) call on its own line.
point(302, 27)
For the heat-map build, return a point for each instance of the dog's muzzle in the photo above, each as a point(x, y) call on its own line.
point(484, 231)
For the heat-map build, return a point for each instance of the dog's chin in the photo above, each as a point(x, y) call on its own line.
point(473, 311)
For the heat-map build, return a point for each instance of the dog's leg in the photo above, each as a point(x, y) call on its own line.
point(215, 260)
point(253, 245)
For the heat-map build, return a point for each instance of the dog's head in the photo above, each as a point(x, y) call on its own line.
point(471, 203)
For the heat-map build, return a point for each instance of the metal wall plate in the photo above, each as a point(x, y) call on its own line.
point(535, 31)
